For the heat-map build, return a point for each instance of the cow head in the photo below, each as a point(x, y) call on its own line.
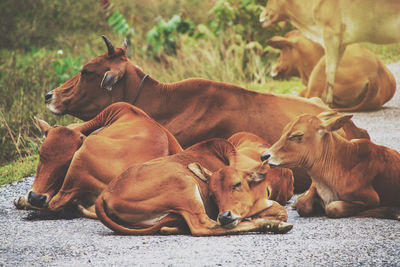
point(241, 195)
point(99, 84)
point(298, 55)
point(273, 13)
point(285, 66)
point(55, 155)
point(303, 141)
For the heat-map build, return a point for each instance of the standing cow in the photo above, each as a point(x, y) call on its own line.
point(363, 82)
point(337, 23)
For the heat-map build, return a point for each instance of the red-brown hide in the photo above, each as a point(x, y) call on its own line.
point(192, 110)
point(349, 178)
point(363, 82)
point(172, 195)
point(76, 168)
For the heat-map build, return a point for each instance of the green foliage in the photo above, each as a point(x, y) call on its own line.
point(212, 39)
point(119, 24)
point(65, 67)
point(27, 23)
point(164, 36)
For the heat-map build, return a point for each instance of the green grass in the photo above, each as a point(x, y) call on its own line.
point(387, 53)
point(16, 170)
point(31, 64)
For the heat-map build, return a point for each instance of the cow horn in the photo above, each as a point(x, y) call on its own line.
point(110, 47)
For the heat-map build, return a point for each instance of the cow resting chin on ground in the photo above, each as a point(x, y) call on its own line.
point(74, 168)
point(349, 178)
point(193, 110)
point(176, 194)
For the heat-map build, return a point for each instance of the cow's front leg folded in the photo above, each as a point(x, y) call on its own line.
point(22, 204)
point(308, 203)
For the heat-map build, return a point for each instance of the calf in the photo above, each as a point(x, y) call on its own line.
point(363, 82)
point(76, 168)
point(349, 178)
point(193, 110)
point(336, 24)
point(280, 180)
point(174, 194)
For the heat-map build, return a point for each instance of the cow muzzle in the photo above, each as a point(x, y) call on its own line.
point(48, 97)
point(267, 157)
point(37, 200)
point(228, 219)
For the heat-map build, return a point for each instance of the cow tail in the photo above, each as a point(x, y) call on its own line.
point(381, 213)
point(370, 89)
point(101, 212)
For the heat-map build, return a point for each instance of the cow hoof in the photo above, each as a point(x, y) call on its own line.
point(19, 203)
point(281, 228)
point(284, 227)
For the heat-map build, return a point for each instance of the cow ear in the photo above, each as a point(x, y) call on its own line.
point(335, 123)
point(326, 115)
point(43, 126)
point(255, 177)
point(279, 42)
point(109, 80)
point(200, 171)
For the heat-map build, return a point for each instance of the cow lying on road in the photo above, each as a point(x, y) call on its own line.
point(280, 180)
point(76, 168)
point(175, 194)
point(193, 110)
point(363, 82)
point(349, 178)
point(336, 24)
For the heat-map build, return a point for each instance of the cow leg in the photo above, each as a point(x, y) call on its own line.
point(340, 209)
point(363, 199)
point(306, 203)
point(61, 199)
point(334, 50)
point(202, 225)
point(89, 212)
point(22, 204)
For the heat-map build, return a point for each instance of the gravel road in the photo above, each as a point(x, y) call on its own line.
point(37, 239)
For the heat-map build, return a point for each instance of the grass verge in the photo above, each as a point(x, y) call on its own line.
point(19, 169)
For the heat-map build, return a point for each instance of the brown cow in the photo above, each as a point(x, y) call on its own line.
point(280, 180)
point(192, 110)
point(298, 56)
point(363, 82)
point(349, 178)
point(76, 168)
point(174, 194)
point(336, 24)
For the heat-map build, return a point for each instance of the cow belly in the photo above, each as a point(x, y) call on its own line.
point(153, 220)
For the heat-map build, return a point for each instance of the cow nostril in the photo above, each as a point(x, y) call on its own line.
point(226, 218)
point(37, 200)
point(48, 97)
point(265, 156)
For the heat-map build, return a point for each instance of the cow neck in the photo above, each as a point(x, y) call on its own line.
point(139, 89)
point(333, 157)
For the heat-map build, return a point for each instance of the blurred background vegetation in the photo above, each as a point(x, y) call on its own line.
point(45, 42)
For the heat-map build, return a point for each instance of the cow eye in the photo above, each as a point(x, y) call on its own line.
point(237, 185)
point(84, 72)
point(296, 137)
